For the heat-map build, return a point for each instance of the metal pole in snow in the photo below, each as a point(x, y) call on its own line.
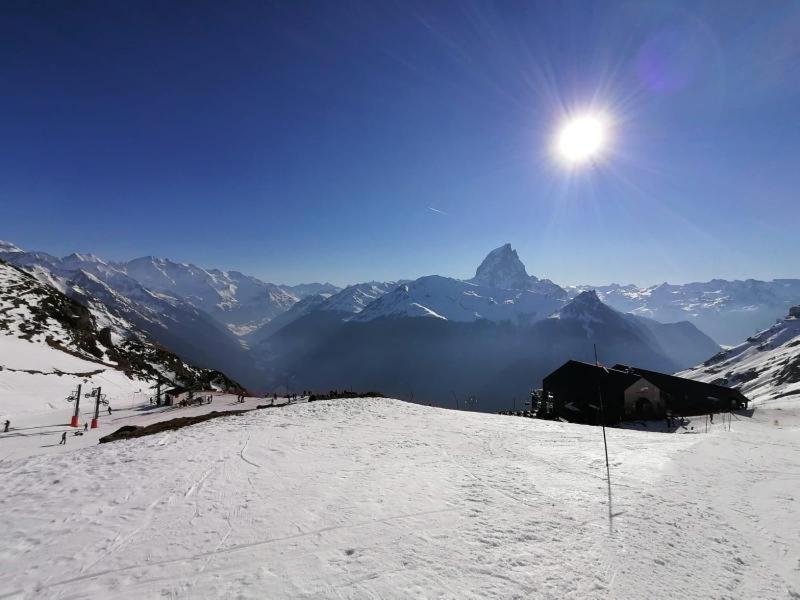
point(96, 409)
point(605, 444)
point(76, 417)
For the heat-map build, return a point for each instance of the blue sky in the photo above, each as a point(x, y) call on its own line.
point(303, 141)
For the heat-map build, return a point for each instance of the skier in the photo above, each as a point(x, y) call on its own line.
point(109, 409)
point(712, 418)
point(86, 427)
point(63, 441)
point(8, 424)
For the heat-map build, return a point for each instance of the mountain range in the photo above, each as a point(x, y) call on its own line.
point(495, 334)
point(728, 311)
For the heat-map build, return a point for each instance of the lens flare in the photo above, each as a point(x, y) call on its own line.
point(582, 138)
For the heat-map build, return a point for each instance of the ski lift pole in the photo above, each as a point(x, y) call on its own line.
point(96, 419)
point(75, 421)
point(605, 445)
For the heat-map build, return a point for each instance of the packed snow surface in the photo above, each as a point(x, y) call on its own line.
point(375, 498)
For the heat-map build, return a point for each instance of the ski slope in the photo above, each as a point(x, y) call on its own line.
point(375, 498)
point(35, 379)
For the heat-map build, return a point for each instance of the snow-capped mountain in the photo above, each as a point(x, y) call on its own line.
point(333, 308)
point(765, 367)
point(355, 298)
point(303, 290)
point(170, 320)
point(503, 269)
point(241, 302)
point(728, 311)
point(49, 342)
point(455, 300)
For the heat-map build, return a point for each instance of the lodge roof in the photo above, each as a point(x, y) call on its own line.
point(681, 386)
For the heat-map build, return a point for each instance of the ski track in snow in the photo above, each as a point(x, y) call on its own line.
point(381, 499)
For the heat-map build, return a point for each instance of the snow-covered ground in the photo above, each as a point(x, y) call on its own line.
point(375, 498)
point(36, 379)
point(34, 433)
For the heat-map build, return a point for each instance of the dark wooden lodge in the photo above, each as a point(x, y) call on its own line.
point(574, 393)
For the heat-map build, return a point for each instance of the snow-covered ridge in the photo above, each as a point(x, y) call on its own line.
point(766, 367)
point(455, 300)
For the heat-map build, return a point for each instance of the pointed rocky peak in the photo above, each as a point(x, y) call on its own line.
point(503, 269)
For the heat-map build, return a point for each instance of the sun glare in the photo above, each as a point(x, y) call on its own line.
point(582, 139)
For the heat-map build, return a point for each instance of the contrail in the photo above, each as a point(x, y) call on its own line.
point(436, 210)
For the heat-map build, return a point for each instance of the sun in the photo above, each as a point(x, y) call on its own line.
point(582, 138)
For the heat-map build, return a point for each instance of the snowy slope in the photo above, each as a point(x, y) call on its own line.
point(766, 367)
point(455, 300)
point(381, 499)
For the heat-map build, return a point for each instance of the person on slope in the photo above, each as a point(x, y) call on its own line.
point(7, 425)
point(86, 427)
point(63, 441)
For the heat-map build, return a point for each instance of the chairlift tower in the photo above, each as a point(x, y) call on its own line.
point(75, 397)
point(100, 398)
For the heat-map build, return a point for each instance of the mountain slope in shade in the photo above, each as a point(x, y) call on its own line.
point(298, 310)
point(766, 367)
point(433, 359)
point(680, 343)
point(585, 323)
